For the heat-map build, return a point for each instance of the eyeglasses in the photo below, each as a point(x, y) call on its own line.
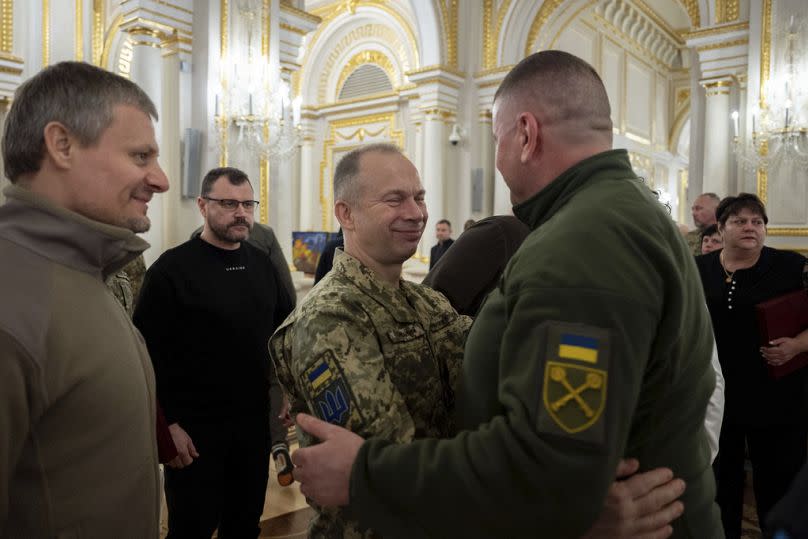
point(230, 204)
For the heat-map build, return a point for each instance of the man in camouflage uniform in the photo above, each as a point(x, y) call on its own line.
point(367, 350)
point(703, 211)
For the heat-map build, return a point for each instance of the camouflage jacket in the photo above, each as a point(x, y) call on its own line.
point(121, 288)
point(694, 241)
point(380, 361)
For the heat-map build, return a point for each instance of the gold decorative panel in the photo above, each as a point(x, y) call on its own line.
point(345, 135)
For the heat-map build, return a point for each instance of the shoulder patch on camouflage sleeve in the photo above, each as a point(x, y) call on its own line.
point(329, 393)
point(574, 382)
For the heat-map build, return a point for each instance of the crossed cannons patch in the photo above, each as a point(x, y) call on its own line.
point(575, 380)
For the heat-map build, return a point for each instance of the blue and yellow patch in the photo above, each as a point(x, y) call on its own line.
point(330, 395)
point(574, 381)
point(580, 347)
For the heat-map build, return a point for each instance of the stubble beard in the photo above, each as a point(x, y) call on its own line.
point(225, 233)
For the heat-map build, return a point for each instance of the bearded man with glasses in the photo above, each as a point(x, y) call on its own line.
point(206, 310)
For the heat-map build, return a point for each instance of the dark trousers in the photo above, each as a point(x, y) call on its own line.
point(777, 453)
point(277, 432)
point(225, 486)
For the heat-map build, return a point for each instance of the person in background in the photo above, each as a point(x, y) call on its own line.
point(468, 224)
point(703, 211)
point(443, 232)
point(326, 260)
point(711, 239)
point(767, 415)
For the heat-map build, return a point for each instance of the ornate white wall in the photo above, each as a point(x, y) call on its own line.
point(674, 70)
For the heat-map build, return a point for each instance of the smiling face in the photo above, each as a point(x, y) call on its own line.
point(744, 230)
point(389, 215)
point(114, 179)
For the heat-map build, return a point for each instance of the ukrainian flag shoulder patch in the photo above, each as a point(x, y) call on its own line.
point(577, 346)
point(574, 382)
point(330, 395)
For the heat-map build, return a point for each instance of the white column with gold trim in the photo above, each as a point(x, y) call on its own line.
point(487, 161)
point(170, 158)
point(309, 215)
point(717, 137)
point(147, 73)
point(433, 174)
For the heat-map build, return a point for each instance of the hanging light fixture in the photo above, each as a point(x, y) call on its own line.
point(252, 99)
point(780, 127)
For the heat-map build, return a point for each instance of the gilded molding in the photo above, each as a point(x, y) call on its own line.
point(362, 99)
point(489, 57)
point(692, 9)
point(393, 134)
point(329, 12)
point(293, 29)
point(723, 45)
point(223, 37)
point(79, 30)
point(716, 84)
point(370, 31)
point(366, 57)
point(448, 15)
point(314, 19)
point(263, 162)
point(727, 10)
point(440, 67)
point(765, 66)
point(11, 70)
point(7, 26)
point(718, 30)
point(546, 9)
point(98, 31)
point(494, 71)
point(113, 31)
point(11, 58)
point(45, 33)
point(491, 31)
point(765, 49)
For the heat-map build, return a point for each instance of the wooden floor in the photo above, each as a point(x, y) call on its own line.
point(286, 513)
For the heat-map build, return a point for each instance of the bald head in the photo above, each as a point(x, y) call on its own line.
point(562, 90)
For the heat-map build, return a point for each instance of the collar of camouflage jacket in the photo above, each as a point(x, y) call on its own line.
point(397, 301)
point(609, 165)
point(64, 236)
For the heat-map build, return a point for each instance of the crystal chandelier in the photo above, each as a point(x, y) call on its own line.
point(252, 99)
point(779, 128)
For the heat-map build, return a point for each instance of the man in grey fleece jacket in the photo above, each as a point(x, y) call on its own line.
point(78, 455)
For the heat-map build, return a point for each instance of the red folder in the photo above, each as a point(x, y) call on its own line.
point(784, 316)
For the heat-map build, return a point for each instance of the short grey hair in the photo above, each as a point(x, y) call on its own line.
point(345, 185)
point(712, 196)
point(76, 94)
point(565, 86)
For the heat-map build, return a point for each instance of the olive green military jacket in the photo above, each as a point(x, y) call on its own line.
point(378, 360)
point(595, 345)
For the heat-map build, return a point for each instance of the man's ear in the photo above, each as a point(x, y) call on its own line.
point(60, 144)
point(530, 136)
point(201, 203)
point(342, 211)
